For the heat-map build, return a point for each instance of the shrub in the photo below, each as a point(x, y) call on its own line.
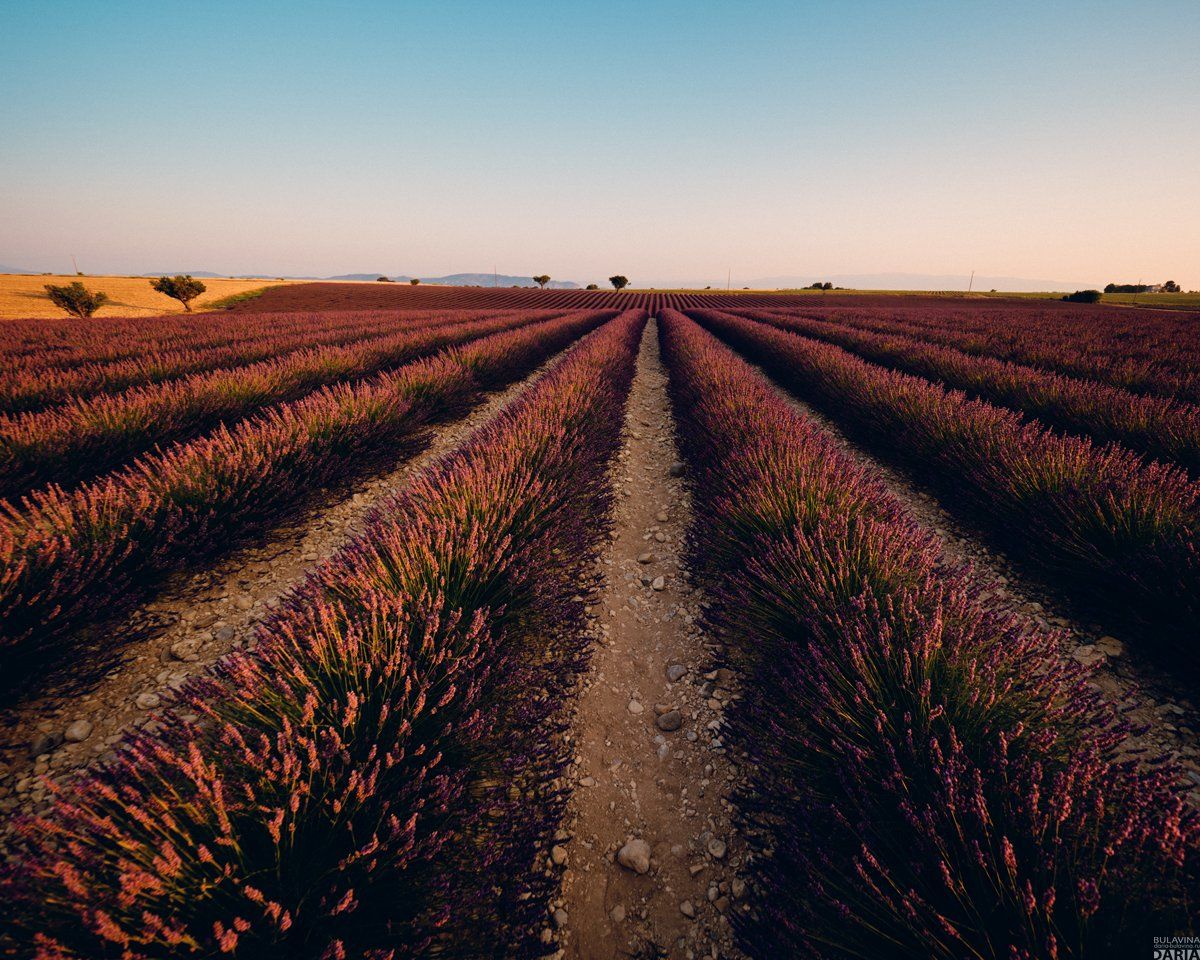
point(76, 299)
point(1084, 296)
point(184, 288)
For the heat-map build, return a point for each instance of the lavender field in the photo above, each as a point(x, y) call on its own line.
point(394, 623)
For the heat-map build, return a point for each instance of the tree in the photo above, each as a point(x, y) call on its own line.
point(182, 288)
point(414, 281)
point(619, 282)
point(825, 286)
point(542, 280)
point(1083, 296)
point(76, 299)
point(382, 280)
point(591, 286)
point(1171, 287)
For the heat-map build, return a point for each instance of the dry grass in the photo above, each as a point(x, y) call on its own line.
point(24, 296)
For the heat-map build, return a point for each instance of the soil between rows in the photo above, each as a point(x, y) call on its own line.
point(642, 772)
point(193, 621)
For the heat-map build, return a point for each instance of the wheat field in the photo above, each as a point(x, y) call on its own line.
point(24, 295)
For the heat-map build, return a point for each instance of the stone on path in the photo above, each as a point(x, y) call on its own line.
point(79, 731)
point(635, 856)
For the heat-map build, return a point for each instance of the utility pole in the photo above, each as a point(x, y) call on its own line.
point(495, 276)
point(74, 264)
point(971, 285)
point(727, 278)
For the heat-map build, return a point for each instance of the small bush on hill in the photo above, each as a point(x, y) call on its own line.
point(184, 288)
point(76, 299)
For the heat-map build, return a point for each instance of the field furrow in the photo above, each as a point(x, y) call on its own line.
point(651, 861)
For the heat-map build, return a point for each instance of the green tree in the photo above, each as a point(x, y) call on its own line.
point(382, 280)
point(619, 282)
point(183, 288)
point(542, 280)
point(591, 286)
point(76, 299)
point(414, 281)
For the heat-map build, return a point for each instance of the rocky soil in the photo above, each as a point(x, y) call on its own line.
point(650, 858)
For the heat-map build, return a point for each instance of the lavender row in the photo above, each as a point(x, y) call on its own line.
point(1120, 536)
point(1148, 352)
point(113, 538)
point(34, 383)
point(86, 438)
point(925, 779)
point(66, 343)
point(377, 778)
point(1160, 427)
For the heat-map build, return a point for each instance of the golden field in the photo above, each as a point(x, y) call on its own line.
point(22, 295)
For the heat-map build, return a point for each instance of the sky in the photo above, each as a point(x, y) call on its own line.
point(673, 142)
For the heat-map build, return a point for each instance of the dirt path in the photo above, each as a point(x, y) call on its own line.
point(1158, 702)
point(194, 620)
point(650, 857)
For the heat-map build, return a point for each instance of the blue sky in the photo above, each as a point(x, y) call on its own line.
point(668, 141)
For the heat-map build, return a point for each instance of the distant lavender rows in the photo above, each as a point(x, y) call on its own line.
point(1120, 536)
point(926, 779)
point(1147, 351)
point(114, 538)
point(85, 438)
point(67, 366)
point(378, 778)
point(1161, 427)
